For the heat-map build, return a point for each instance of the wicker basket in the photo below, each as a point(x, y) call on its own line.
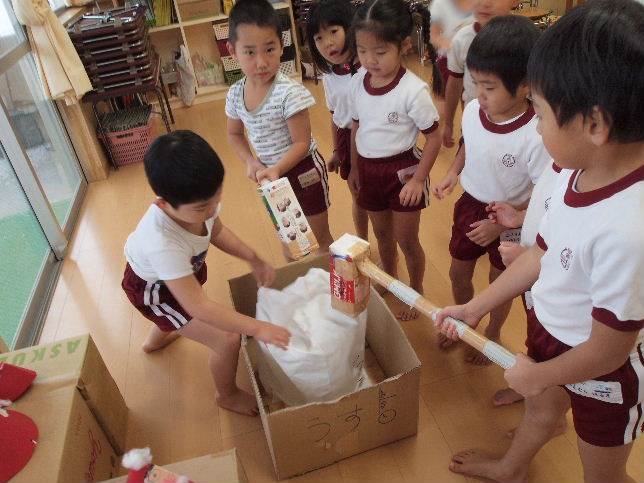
point(230, 64)
point(286, 38)
point(233, 76)
point(288, 67)
point(129, 146)
point(221, 30)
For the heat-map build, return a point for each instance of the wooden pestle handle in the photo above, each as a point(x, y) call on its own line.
point(495, 352)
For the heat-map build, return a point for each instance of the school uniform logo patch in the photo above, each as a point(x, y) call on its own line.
point(392, 118)
point(566, 258)
point(508, 161)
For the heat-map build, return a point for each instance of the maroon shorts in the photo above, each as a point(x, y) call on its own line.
point(441, 62)
point(598, 422)
point(310, 182)
point(467, 210)
point(380, 184)
point(155, 301)
point(343, 150)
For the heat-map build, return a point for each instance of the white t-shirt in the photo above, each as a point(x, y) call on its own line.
point(160, 249)
point(391, 117)
point(450, 18)
point(266, 125)
point(502, 161)
point(336, 91)
point(456, 58)
point(593, 267)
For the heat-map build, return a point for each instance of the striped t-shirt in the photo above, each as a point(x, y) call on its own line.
point(266, 125)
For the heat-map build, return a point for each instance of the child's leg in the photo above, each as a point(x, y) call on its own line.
point(360, 219)
point(406, 225)
point(223, 365)
point(542, 414)
point(382, 223)
point(461, 273)
point(320, 226)
point(158, 339)
point(603, 464)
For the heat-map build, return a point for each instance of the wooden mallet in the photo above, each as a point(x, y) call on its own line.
point(351, 272)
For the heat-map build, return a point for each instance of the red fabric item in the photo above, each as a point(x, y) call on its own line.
point(138, 476)
point(14, 381)
point(18, 436)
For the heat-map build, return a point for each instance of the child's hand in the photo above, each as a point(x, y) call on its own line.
point(252, 167)
point(446, 186)
point(270, 174)
point(354, 182)
point(448, 138)
point(263, 272)
point(510, 251)
point(521, 378)
point(460, 312)
point(333, 164)
point(484, 232)
point(411, 193)
point(273, 334)
point(504, 214)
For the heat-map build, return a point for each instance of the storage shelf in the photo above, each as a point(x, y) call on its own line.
point(200, 20)
point(164, 27)
point(212, 89)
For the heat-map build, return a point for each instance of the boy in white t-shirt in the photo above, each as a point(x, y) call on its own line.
point(273, 109)
point(459, 84)
point(585, 331)
point(166, 262)
point(503, 156)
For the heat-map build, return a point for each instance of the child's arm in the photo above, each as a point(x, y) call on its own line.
point(299, 126)
point(605, 351)
point(228, 242)
point(448, 183)
point(334, 164)
point(453, 92)
point(354, 180)
point(237, 139)
point(516, 279)
point(411, 194)
point(192, 298)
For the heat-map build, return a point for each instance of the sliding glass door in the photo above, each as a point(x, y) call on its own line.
point(41, 188)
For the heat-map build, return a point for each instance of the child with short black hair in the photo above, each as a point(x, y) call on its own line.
point(166, 262)
point(273, 109)
point(459, 85)
point(503, 156)
point(391, 107)
point(585, 332)
point(327, 34)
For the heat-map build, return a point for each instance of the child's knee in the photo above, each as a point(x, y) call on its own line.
point(410, 246)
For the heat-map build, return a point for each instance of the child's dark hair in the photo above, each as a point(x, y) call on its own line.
point(182, 168)
point(594, 57)
point(503, 48)
point(328, 13)
point(252, 12)
point(392, 21)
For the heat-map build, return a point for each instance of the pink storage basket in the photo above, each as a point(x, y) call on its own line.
point(130, 145)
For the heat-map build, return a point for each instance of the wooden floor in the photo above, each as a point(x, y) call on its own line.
point(171, 395)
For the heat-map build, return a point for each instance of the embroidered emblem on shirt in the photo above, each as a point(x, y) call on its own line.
point(508, 160)
point(392, 118)
point(565, 257)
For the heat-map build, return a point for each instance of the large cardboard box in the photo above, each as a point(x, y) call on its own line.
point(308, 437)
point(224, 467)
point(77, 363)
point(71, 447)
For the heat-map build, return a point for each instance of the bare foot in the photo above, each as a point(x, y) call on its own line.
point(475, 463)
point(239, 402)
point(559, 429)
point(158, 339)
point(408, 313)
point(472, 356)
point(505, 397)
point(445, 342)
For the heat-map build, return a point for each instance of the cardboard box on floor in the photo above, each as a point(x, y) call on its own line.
point(224, 467)
point(308, 437)
point(71, 447)
point(76, 363)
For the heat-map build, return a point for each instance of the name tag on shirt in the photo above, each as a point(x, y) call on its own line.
point(606, 391)
point(309, 178)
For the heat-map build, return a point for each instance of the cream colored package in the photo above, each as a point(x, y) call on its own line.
point(288, 218)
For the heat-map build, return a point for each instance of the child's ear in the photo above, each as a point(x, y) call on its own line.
point(231, 48)
point(597, 126)
point(523, 91)
point(405, 46)
point(161, 203)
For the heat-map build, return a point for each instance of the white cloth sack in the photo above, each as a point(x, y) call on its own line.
point(325, 357)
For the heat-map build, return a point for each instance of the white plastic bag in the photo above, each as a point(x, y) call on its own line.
point(325, 358)
point(187, 79)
